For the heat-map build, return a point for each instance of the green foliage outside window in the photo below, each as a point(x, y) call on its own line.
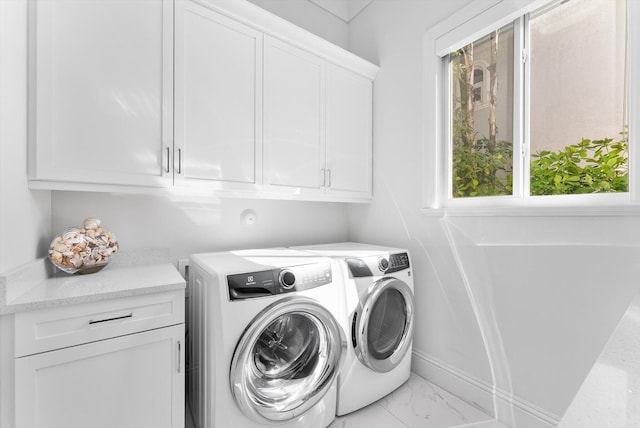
point(482, 170)
point(590, 166)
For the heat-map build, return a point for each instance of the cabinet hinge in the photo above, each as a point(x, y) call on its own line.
point(524, 55)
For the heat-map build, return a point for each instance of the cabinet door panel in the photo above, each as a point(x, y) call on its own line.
point(218, 96)
point(103, 77)
point(349, 133)
point(131, 381)
point(293, 117)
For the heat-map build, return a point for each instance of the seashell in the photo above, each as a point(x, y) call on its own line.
point(56, 256)
point(60, 247)
point(90, 233)
point(68, 253)
point(69, 234)
point(91, 223)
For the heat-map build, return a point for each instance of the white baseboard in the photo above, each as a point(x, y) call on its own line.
point(479, 393)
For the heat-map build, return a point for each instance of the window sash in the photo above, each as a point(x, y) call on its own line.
point(470, 24)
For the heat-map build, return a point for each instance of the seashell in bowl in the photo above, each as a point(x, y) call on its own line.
point(83, 250)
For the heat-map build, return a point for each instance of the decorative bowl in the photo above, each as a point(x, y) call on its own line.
point(83, 250)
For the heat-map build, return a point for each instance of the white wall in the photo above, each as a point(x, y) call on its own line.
point(24, 214)
point(188, 225)
point(547, 291)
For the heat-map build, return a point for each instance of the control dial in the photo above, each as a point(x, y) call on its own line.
point(383, 264)
point(287, 279)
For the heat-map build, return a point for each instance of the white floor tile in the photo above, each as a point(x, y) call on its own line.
point(420, 404)
point(485, 424)
point(373, 416)
point(416, 404)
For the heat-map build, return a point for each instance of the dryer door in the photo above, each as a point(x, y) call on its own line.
point(286, 360)
point(383, 325)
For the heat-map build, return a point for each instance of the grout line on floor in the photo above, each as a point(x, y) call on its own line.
point(392, 414)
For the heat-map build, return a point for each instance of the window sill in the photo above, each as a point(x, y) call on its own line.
point(628, 210)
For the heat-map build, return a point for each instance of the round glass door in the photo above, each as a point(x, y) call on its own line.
point(286, 360)
point(384, 324)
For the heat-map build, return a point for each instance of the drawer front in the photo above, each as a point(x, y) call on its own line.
point(60, 327)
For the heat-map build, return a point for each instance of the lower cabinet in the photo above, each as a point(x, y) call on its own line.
point(116, 363)
point(131, 381)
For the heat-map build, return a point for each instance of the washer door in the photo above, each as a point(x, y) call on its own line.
point(286, 360)
point(383, 326)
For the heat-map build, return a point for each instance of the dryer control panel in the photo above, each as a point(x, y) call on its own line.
point(278, 281)
point(370, 266)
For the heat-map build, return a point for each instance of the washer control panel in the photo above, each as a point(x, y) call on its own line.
point(278, 281)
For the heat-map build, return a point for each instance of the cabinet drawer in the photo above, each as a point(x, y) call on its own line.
point(55, 328)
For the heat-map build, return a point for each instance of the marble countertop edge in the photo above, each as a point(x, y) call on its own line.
point(29, 306)
point(39, 285)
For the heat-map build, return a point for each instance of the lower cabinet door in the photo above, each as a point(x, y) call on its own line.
point(131, 381)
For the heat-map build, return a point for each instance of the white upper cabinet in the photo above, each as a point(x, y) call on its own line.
point(348, 133)
point(101, 91)
point(132, 95)
point(218, 100)
point(294, 122)
point(317, 121)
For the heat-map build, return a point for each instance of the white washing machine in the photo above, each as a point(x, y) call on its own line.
point(265, 344)
point(379, 305)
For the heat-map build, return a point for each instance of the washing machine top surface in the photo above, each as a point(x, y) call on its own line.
point(349, 249)
point(253, 260)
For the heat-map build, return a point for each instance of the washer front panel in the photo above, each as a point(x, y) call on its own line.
point(286, 360)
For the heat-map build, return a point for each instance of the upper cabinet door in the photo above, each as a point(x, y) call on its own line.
point(101, 88)
point(294, 120)
point(218, 100)
point(349, 133)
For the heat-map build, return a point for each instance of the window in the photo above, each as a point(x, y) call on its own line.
point(478, 85)
point(537, 103)
point(482, 162)
point(577, 112)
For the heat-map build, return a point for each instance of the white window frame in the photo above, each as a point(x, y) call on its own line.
point(471, 23)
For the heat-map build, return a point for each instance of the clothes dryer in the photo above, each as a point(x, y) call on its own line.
point(379, 304)
point(265, 343)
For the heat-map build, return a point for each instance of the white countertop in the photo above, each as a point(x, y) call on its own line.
point(610, 395)
point(39, 285)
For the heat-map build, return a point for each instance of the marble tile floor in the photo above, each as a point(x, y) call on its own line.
point(416, 404)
